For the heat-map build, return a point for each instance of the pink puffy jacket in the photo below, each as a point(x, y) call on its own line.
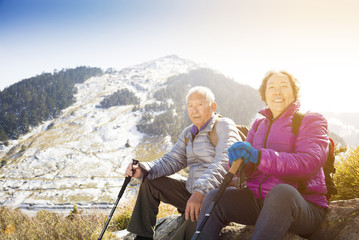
point(287, 158)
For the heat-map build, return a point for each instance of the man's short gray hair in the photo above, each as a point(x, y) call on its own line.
point(204, 91)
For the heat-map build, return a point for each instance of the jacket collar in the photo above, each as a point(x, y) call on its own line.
point(292, 108)
point(207, 127)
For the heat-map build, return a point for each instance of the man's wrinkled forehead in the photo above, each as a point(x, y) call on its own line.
point(196, 97)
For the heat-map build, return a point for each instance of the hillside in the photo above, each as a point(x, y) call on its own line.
point(28, 103)
point(345, 125)
point(80, 155)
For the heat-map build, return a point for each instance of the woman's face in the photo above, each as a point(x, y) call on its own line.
point(279, 93)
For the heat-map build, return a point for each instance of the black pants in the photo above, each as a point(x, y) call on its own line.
point(152, 192)
point(284, 209)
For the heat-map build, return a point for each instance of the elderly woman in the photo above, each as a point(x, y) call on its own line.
point(276, 161)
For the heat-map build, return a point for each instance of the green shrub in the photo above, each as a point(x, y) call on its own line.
point(346, 177)
point(120, 221)
point(75, 211)
point(119, 98)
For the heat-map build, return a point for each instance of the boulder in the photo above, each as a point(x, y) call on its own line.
point(165, 228)
point(340, 223)
point(243, 232)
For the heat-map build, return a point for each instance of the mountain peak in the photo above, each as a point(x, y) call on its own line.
point(85, 145)
point(81, 155)
point(172, 61)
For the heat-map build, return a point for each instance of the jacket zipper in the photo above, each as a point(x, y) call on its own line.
point(270, 125)
point(265, 146)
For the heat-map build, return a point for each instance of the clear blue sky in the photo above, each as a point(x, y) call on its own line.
point(316, 40)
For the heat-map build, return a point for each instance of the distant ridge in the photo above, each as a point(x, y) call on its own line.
point(79, 155)
point(28, 103)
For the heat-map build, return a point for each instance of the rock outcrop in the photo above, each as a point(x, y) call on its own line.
point(165, 228)
point(340, 223)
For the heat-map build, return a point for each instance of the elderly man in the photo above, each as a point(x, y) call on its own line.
point(207, 166)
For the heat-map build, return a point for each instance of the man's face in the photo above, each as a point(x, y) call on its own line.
point(199, 110)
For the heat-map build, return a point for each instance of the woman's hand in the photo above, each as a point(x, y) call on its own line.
point(242, 150)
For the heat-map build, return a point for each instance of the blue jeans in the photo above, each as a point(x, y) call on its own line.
point(283, 210)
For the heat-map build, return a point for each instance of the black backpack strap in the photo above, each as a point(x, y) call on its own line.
point(329, 163)
point(297, 121)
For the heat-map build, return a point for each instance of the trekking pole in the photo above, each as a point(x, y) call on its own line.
point(226, 181)
point(127, 180)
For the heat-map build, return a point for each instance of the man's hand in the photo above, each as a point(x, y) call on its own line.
point(193, 206)
point(134, 171)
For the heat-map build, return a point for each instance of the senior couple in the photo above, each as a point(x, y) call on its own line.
point(275, 161)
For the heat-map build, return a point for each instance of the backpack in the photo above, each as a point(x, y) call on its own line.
point(213, 137)
point(328, 168)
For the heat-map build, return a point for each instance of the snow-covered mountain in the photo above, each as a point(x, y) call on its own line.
point(81, 155)
point(346, 125)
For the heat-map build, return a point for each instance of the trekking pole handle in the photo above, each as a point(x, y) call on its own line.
point(135, 161)
point(235, 166)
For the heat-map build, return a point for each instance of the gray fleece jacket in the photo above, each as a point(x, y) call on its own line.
point(207, 164)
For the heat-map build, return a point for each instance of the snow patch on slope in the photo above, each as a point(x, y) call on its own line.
point(80, 157)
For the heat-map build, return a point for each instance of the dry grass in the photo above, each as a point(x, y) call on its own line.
point(49, 225)
point(121, 219)
point(166, 210)
point(151, 148)
point(76, 225)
